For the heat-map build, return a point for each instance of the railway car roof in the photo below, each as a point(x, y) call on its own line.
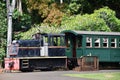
point(91, 32)
point(51, 34)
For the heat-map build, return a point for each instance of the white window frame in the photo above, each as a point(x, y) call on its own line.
point(97, 40)
point(119, 42)
point(105, 41)
point(89, 41)
point(114, 42)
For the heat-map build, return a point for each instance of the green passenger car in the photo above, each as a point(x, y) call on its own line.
point(104, 45)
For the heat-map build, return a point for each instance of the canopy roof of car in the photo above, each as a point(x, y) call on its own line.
point(75, 32)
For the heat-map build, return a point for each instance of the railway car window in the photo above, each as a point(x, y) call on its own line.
point(14, 49)
point(113, 43)
point(105, 42)
point(46, 39)
point(97, 42)
point(88, 42)
point(51, 41)
point(67, 42)
point(62, 41)
point(57, 41)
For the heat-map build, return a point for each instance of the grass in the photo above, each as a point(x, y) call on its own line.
point(99, 76)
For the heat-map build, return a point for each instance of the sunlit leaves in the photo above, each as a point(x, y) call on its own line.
point(109, 18)
point(40, 29)
point(73, 8)
point(103, 19)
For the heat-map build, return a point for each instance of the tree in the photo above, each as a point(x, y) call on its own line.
point(54, 17)
point(109, 17)
point(19, 6)
point(21, 22)
point(47, 11)
point(3, 30)
point(103, 19)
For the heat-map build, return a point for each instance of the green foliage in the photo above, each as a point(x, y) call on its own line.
point(40, 28)
point(73, 8)
point(52, 12)
point(85, 22)
point(3, 30)
point(2, 53)
point(109, 18)
point(103, 19)
point(91, 22)
point(21, 21)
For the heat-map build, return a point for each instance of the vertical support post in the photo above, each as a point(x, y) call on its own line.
point(9, 29)
point(10, 9)
point(9, 34)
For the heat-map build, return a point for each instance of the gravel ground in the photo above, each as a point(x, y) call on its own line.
point(48, 75)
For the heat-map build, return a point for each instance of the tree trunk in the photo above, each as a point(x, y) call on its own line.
point(61, 1)
point(19, 6)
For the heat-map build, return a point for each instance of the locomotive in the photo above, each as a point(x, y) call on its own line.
point(44, 51)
